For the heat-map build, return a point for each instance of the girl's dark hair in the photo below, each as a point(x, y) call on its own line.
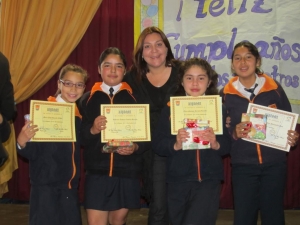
point(203, 64)
point(73, 68)
point(114, 51)
point(254, 51)
point(139, 65)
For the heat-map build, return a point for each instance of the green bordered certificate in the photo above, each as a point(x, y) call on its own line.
point(55, 120)
point(126, 122)
point(202, 108)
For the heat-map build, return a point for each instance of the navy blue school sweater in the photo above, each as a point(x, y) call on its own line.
point(96, 162)
point(55, 164)
point(188, 165)
point(271, 95)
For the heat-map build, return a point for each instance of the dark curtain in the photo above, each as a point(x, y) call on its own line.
point(113, 26)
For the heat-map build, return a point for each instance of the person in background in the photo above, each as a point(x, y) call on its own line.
point(112, 184)
point(258, 172)
point(7, 106)
point(193, 176)
point(55, 166)
point(152, 78)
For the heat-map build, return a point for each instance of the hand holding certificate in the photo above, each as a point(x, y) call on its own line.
point(55, 120)
point(126, 122)
point(277, 126)
point(201, 108)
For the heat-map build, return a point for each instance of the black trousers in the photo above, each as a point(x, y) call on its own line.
point(259, 187)
point(193, 202)
point(158, 212)
point(54, 206)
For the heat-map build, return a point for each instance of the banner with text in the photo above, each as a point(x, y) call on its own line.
point(209, 29)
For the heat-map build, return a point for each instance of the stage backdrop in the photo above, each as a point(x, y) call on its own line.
point(210, 28)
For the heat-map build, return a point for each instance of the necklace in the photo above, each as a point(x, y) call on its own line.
point(158, 80)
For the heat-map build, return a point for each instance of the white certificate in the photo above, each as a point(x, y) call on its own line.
point(278, 124)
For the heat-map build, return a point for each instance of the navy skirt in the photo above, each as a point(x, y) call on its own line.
point(111, 193)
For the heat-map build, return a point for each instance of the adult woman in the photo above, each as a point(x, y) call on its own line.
point(152, 78)
point(258, 172)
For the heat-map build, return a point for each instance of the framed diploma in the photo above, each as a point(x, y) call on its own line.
point(207, 107)
point(126, 122)
point(55, 120)
point(277, 125)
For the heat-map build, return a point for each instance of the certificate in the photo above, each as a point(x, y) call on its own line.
point(207, 107)
point(277, 126)
point(55, 121)
point(126, 122)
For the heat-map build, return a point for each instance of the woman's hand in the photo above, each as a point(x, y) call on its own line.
point(28, 131)
point(181, 136)
point(293, 137)
point(98, 125)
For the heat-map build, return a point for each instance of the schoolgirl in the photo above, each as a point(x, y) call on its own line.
point(193, 176)
point(54, 166)
point(112, 179)
point(258, 172)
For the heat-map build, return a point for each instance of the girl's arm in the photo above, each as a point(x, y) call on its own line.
point(26, 148)
point(142, 147)
point(293, 136)
point(28, 131)
point(225, 139)
point(88, 129)
point(284, 103)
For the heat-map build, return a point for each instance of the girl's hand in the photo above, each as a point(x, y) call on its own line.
point(242, 129)
point(293, 137)
point(28, 131)
point(209, 135)
point(98, 125)
point(182, 136)
point(128, 150)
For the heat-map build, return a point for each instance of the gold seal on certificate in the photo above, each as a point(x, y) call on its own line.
point(277, 126)
point(126, 122)
point(55, 120)
point(208, 107)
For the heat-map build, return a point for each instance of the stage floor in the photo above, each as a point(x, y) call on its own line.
point(17, 214)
